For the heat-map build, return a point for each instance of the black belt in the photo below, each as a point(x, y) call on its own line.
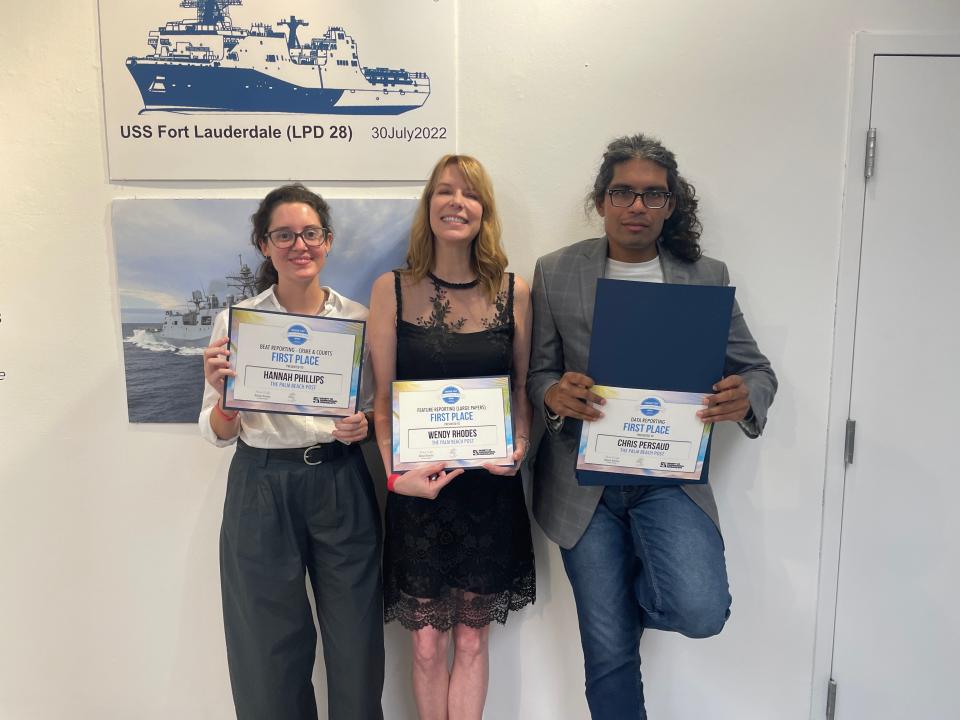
point(313, 455)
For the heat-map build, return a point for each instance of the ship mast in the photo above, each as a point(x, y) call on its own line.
point(211, 12)
point(245, 282)
point(293, 23)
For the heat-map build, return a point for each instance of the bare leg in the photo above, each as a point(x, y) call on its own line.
point(431, 678)
point(471, 672)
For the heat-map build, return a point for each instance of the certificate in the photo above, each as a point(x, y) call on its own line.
point(677, 344)
point(646, 432)
point(463, 422)
point(294, 364)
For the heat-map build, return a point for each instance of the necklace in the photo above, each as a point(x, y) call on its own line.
point(453, 285)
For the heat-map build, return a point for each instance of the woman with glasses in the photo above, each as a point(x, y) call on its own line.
point(457, 552)
point(299, 502)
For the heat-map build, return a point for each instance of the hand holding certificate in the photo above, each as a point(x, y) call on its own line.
point(461, 422)
point(646, 432)
point(295, 364)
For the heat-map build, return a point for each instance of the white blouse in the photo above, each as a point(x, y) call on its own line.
point(272, 430)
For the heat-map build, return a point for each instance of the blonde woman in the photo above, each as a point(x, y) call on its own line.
point(457, 550)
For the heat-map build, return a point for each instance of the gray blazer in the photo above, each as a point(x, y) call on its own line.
point(564, 286)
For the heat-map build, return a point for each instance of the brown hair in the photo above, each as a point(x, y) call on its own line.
point(295, 193)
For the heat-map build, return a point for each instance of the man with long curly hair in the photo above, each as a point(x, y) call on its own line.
point(639, 556)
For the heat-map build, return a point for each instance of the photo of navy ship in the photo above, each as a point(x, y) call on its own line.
point(181, 262)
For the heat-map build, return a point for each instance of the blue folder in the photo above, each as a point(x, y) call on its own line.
point(657, 336)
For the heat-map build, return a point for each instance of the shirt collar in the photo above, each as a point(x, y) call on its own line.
point(332, 305)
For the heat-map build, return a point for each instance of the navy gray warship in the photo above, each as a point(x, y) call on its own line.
point(208, 64)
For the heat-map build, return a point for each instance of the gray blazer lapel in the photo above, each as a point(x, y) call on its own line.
point(675, 271)
point(591, 269)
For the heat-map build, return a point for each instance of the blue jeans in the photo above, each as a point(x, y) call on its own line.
point(650, 558)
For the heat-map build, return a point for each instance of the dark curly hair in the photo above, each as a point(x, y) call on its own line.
point(681, 231)
point(295, 193)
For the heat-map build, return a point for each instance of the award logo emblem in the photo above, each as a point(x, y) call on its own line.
point(450, 394)
point(297, 334)
point(650, 406)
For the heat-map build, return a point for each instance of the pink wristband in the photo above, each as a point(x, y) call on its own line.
point(391, 480)
point(231, 418)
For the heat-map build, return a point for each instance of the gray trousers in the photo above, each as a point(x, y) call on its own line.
point(283, 520)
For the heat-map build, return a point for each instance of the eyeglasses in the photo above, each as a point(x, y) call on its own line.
point(651, 199)
point(283, 238)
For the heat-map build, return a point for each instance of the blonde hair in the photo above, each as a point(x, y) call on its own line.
point(487, 256)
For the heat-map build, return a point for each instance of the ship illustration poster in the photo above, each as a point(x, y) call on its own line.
point(182, 262)
point(322, 90)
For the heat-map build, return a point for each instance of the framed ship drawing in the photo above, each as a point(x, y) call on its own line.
point(295, 90)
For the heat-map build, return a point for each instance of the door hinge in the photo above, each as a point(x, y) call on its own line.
point(871, 155)
point(831, 698)
point(849, 436)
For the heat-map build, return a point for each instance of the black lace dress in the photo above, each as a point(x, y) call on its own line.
point(466, 557)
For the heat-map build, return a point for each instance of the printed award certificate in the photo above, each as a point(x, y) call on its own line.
point(679, 345)
point(646, 432)
point(294, 364)
point(464, 422)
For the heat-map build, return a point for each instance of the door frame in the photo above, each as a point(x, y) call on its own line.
point(866, 47)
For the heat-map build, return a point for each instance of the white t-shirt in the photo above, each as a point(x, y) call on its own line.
point(649, 271)
point(272, 430)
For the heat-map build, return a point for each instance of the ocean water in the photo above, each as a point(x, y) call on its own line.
point(164, 380)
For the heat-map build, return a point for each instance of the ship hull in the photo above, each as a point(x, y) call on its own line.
point(186, 335)
point(205, 87)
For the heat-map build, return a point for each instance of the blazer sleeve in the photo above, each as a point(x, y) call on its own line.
point(546, 354)
point(745, 359)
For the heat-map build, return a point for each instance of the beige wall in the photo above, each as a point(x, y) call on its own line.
point(109, 599)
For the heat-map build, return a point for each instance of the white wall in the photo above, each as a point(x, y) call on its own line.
point(109, 599)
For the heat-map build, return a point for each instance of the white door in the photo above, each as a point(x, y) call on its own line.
point(896, 649)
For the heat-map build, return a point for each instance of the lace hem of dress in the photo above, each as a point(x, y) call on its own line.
point(460, 607)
